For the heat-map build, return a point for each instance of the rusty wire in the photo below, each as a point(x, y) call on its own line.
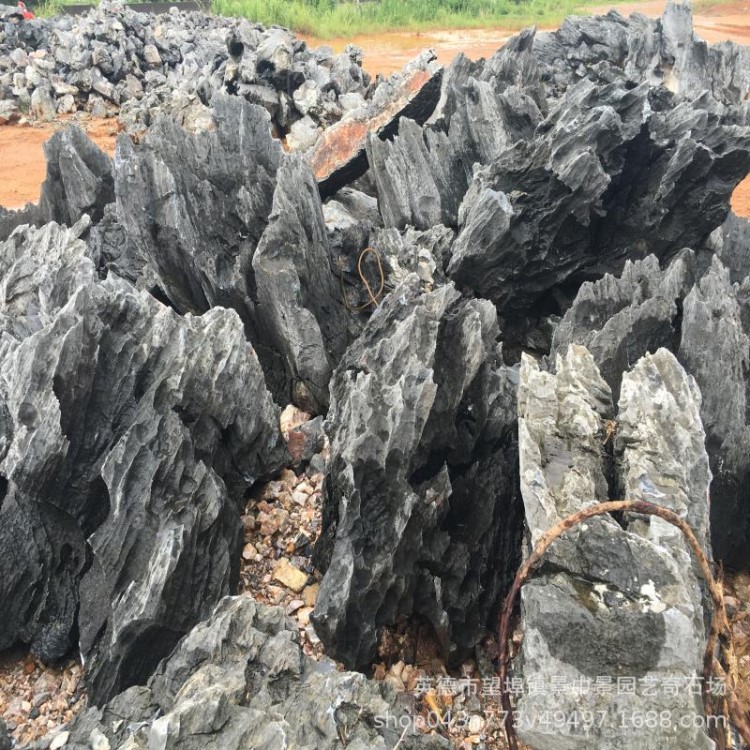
point(711, 665)
point(374, 296)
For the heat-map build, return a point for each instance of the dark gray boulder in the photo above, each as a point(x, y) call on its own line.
point(224, 218)
point(195, 205)
point(239, 679)
point(79, 178)
point(614, 600)
point(568, 152)
point(421, 508)
point(703, 320)
point(300, 308)
point(129, 436)
point(615, 172)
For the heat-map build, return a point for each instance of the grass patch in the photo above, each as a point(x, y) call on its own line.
point(327, 19)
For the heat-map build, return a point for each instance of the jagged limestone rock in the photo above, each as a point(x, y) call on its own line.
point(420, 514)
point(239, 679)
point(223, 218)
point(422, 174)
point(662, 51)
point(614, 601)
point(299, 302)
point(552, 210)
point(731, 243)
point(715, 349)
point(129, 436)
point(79, 181)
point(567, 153)
point(619, 319)
point(702, 319)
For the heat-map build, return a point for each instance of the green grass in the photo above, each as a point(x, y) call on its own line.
point(327, 19)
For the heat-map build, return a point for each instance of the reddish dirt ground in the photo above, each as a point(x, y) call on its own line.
point(22, 164)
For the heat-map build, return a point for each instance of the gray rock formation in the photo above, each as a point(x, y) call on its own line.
point(619, 319)
point(79, 181)
point(704, 321)
point(731, 244)
point(129, 436)
point(715, 349)
point(423, 174)
point(299, 301)
point(239, 679)
point(615, 602)
point(568, 152)
point(224, 218)
point(340, 155)
point(421, 509)
point(552, 211)
point(663, 51)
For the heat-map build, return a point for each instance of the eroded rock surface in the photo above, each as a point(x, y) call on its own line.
point(614, 601)
point(224, 218)
point(79, 182)
point(701, 316)
point(129, 434)
point(421, 510)
point(238, 680)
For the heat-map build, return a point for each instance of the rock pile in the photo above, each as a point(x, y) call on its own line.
point(113, 59)
point(507, 250)
point(129, 434)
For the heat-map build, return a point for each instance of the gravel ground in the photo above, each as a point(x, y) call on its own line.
point(35, 699)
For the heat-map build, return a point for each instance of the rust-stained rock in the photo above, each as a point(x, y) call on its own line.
point(339, 156)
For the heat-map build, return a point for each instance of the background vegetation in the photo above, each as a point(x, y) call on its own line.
point(326, 19)
point(332, 18)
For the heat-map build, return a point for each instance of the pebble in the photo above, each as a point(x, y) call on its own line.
point(290, 576)
point(299, 497)
point(60, 741)
point(303, 616)
point(294, 605)
point(310, 594)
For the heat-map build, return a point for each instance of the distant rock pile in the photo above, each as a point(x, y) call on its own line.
point(521, 292)
point(114, 60)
